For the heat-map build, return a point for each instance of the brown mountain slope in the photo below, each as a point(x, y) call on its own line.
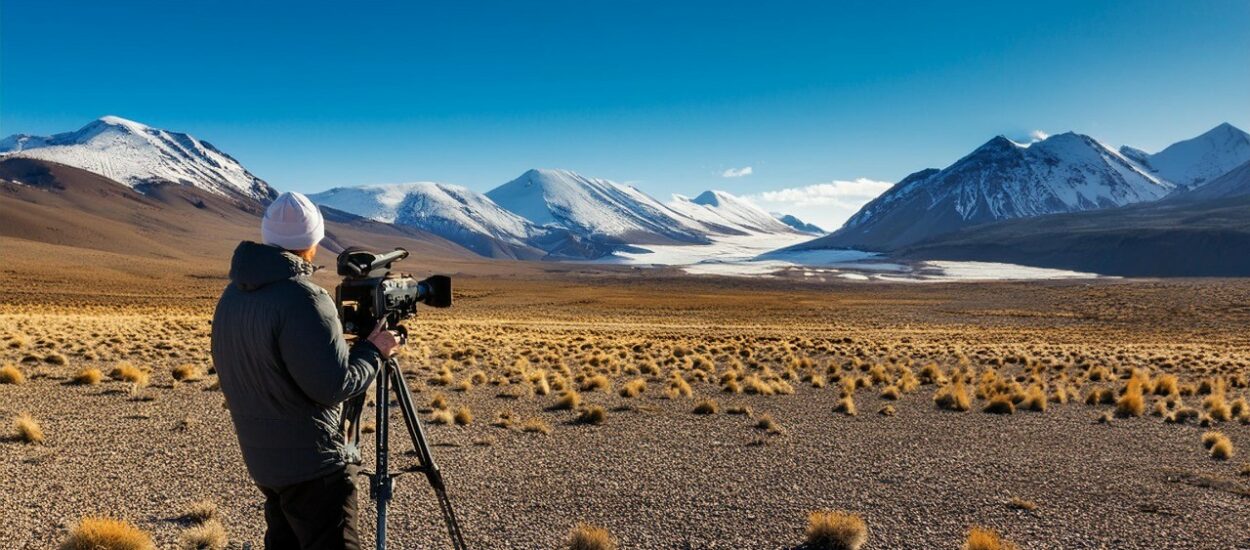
point(57, 217)
point(1161, 239)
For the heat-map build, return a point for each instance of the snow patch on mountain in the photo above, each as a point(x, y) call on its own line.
point(599, 209)
point(451, 211)
point(723, 213)
point(137, 155)
point(1195, 162)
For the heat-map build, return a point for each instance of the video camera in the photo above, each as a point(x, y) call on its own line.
point(370, 292)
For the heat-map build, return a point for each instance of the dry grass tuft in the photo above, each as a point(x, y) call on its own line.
point(593, 414)
point(766, 422)
point(130, 373)
point(439, 401)
point(201, 511)
point(1220, 446)
point(846, 406)
point(890, 392)
point(443, 416)
point(88, 377)
point(597, 382)
point(536, 425)
point(464, 416)
point(10, 375)
point(28, 429)
point(1132, 403)
point(953, 397)
point(590, 537)
point(835, 530)
point(210, 535)
point(633, 388)
point(185, 373)
point(986, 539)
point(107, 534)
point(1018, 503)
point(1000, 404)
point(707, 406)
point(568, 401)
point(1035, 399)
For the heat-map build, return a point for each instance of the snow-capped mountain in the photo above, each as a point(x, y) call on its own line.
point(999, 180)
point(137, 155)
point(597, 209)
point(722, 213)
point(450, 211)
point(1194, 162)
point(799, 225)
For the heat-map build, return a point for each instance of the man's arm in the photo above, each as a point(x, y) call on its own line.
point(312, 346)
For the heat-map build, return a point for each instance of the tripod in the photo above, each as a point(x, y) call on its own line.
point(382, 481)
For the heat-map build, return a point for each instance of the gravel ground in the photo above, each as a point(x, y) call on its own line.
point(658, 476)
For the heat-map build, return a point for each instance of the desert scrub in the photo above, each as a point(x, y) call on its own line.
point(9, 374)
point(130, 373)
point(109, 534)
point(589, 537)
point(567, 402)
point(27, 429)
point(88, 377)
point(1035, 399)
point(185, 373)
point(200, 511)
point(209, 535)
point(767, 423)
point(1220, 446)
point(846, 406)
point(443, 416)
point(593, 414)
point(536, 425)
point(55, 358)
point(890, 392)
point(953, 397)
point(597, 382)
point(1133, 402)
point(633, 388)
point(1000, 404)
point(835, 530)
point(707, 406)
point(986, 539)
point(463, 416)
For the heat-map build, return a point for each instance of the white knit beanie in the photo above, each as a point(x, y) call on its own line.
point(292, 222)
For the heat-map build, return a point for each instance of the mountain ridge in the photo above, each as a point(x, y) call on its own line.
point(138, 156)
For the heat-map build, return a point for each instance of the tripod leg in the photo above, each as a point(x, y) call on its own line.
point(380, 486)
point(416, 431)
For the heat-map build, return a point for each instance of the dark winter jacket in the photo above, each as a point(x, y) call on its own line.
point(285, 368)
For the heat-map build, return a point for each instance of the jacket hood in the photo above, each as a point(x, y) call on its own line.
point(255, 265)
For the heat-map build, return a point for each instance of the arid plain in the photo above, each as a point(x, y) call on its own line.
point(674, 411)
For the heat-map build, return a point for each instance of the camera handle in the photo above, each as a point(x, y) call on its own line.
point(382, 481)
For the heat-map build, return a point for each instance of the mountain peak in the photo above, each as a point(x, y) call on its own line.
point(1195, 161)
point(137, 155)
point(713, 197)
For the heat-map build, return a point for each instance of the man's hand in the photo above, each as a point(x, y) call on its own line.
point(385, 340)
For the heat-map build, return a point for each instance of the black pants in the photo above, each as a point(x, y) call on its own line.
point(318, 514)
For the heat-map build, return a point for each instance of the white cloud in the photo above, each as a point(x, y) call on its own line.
point(825, 204)
point(1038, 135)
point(737, 172)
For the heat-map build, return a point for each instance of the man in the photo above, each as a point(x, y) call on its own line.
point(285, 370)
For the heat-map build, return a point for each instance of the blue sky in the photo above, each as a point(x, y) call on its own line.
point(666, 95)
